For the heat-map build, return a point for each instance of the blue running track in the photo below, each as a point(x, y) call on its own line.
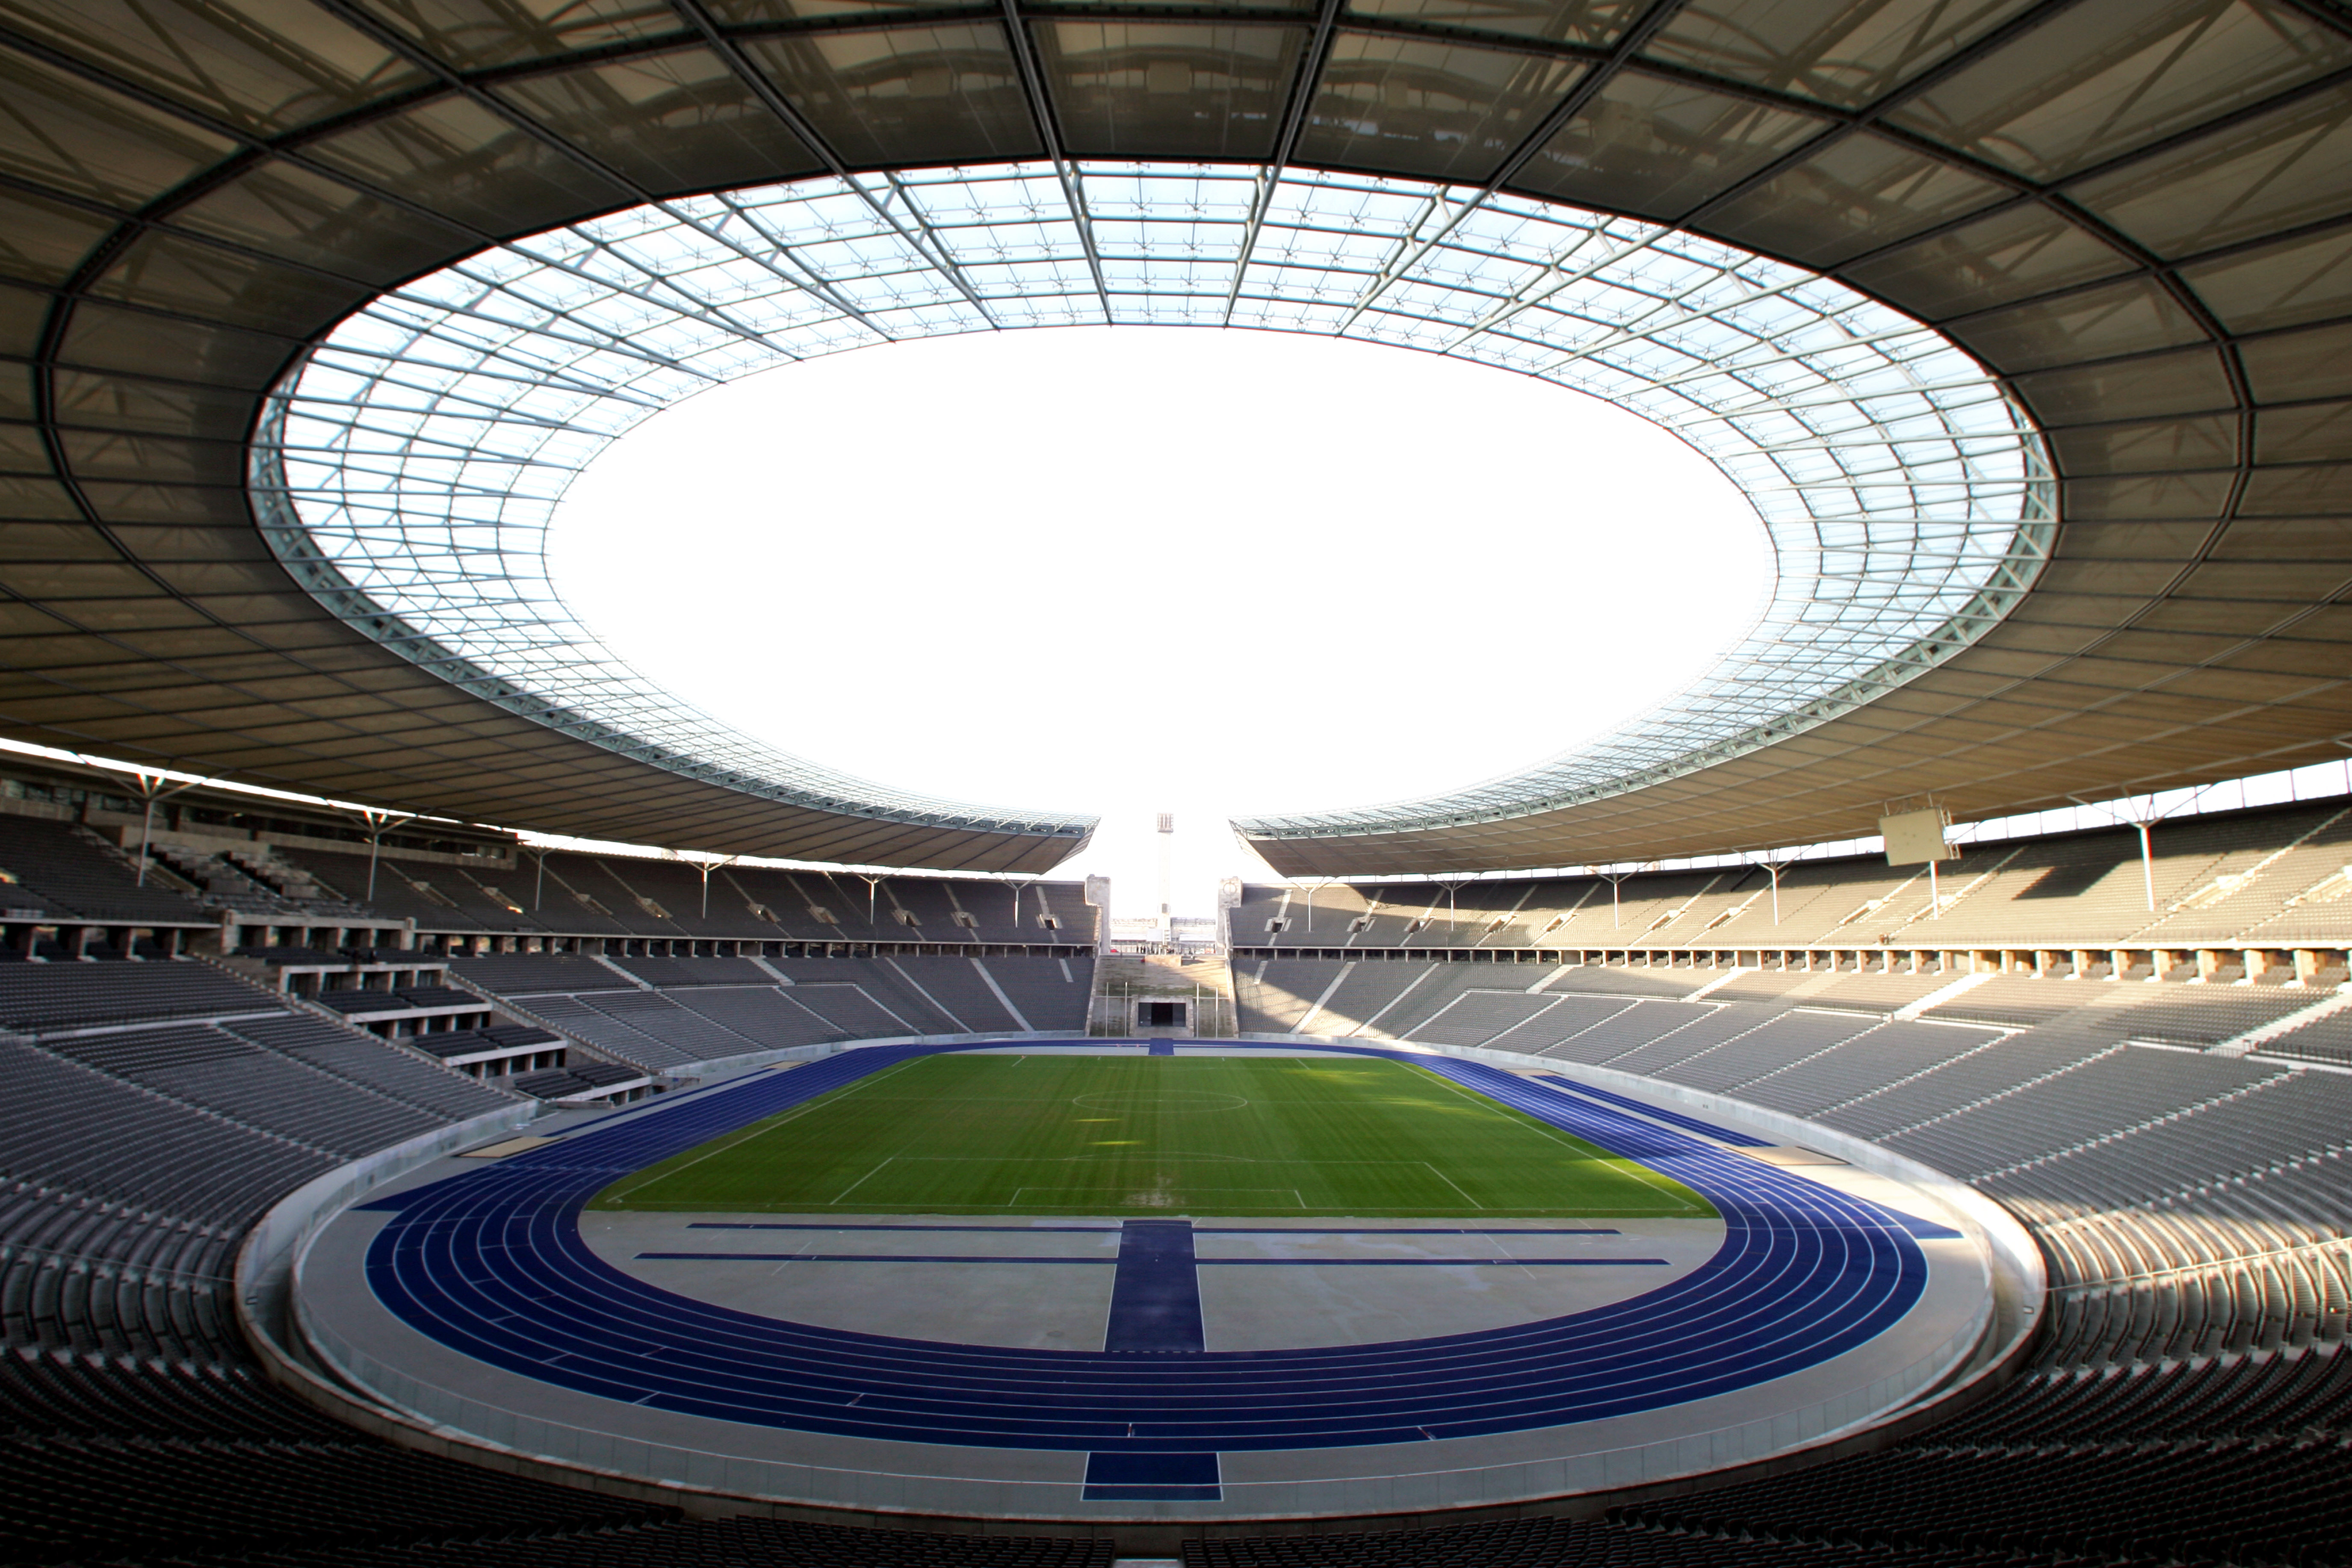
point(492, 1263)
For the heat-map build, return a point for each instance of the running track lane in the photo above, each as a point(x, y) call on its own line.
point(490, 1263)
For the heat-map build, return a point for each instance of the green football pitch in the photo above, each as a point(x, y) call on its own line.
point(961, 1134)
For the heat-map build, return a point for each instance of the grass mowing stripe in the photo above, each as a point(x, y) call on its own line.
point(1640, 1171)
point(1095, 1135)
point(725, 1141)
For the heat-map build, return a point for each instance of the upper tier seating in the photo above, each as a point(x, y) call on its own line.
point(72, 873)
point(613, 896)
point(437, 896)
point(2269, 878)
point(715, 1013)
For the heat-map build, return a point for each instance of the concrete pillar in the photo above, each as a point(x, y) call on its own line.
point(2208, 964)
point(2306, 966)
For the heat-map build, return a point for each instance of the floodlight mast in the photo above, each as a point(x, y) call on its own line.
point(1774, 867)
point(1616, 880)
point(1314, 886)
point(1452, 882)
point(379, 823)
point(151, 790)
point(2142, 817)
point(705, 867)
point(1014, 881)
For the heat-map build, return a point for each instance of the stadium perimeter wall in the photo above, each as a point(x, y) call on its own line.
point(269, 1312)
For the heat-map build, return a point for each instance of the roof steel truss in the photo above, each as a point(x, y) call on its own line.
point(2134, 212)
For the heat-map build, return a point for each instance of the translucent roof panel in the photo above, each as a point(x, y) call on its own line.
point(410, 466)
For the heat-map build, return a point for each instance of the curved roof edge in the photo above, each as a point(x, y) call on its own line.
point(1906, 496)
point(320, 578)
point(2159, 288)
point(1545, 790)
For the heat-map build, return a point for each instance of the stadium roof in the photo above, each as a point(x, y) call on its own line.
point(2131, 212)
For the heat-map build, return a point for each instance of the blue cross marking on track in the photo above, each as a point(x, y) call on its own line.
point(1155, 1299)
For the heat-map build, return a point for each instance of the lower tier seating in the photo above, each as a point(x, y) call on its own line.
point(2188, 1401)
point(2190, 1398)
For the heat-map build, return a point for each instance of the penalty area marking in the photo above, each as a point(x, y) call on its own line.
point(761, 1129)
point(1450, 1182)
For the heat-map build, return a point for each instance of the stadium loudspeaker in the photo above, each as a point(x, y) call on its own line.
point(1916, 837)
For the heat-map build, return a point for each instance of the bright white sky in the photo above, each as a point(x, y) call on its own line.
point(1135, 570)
